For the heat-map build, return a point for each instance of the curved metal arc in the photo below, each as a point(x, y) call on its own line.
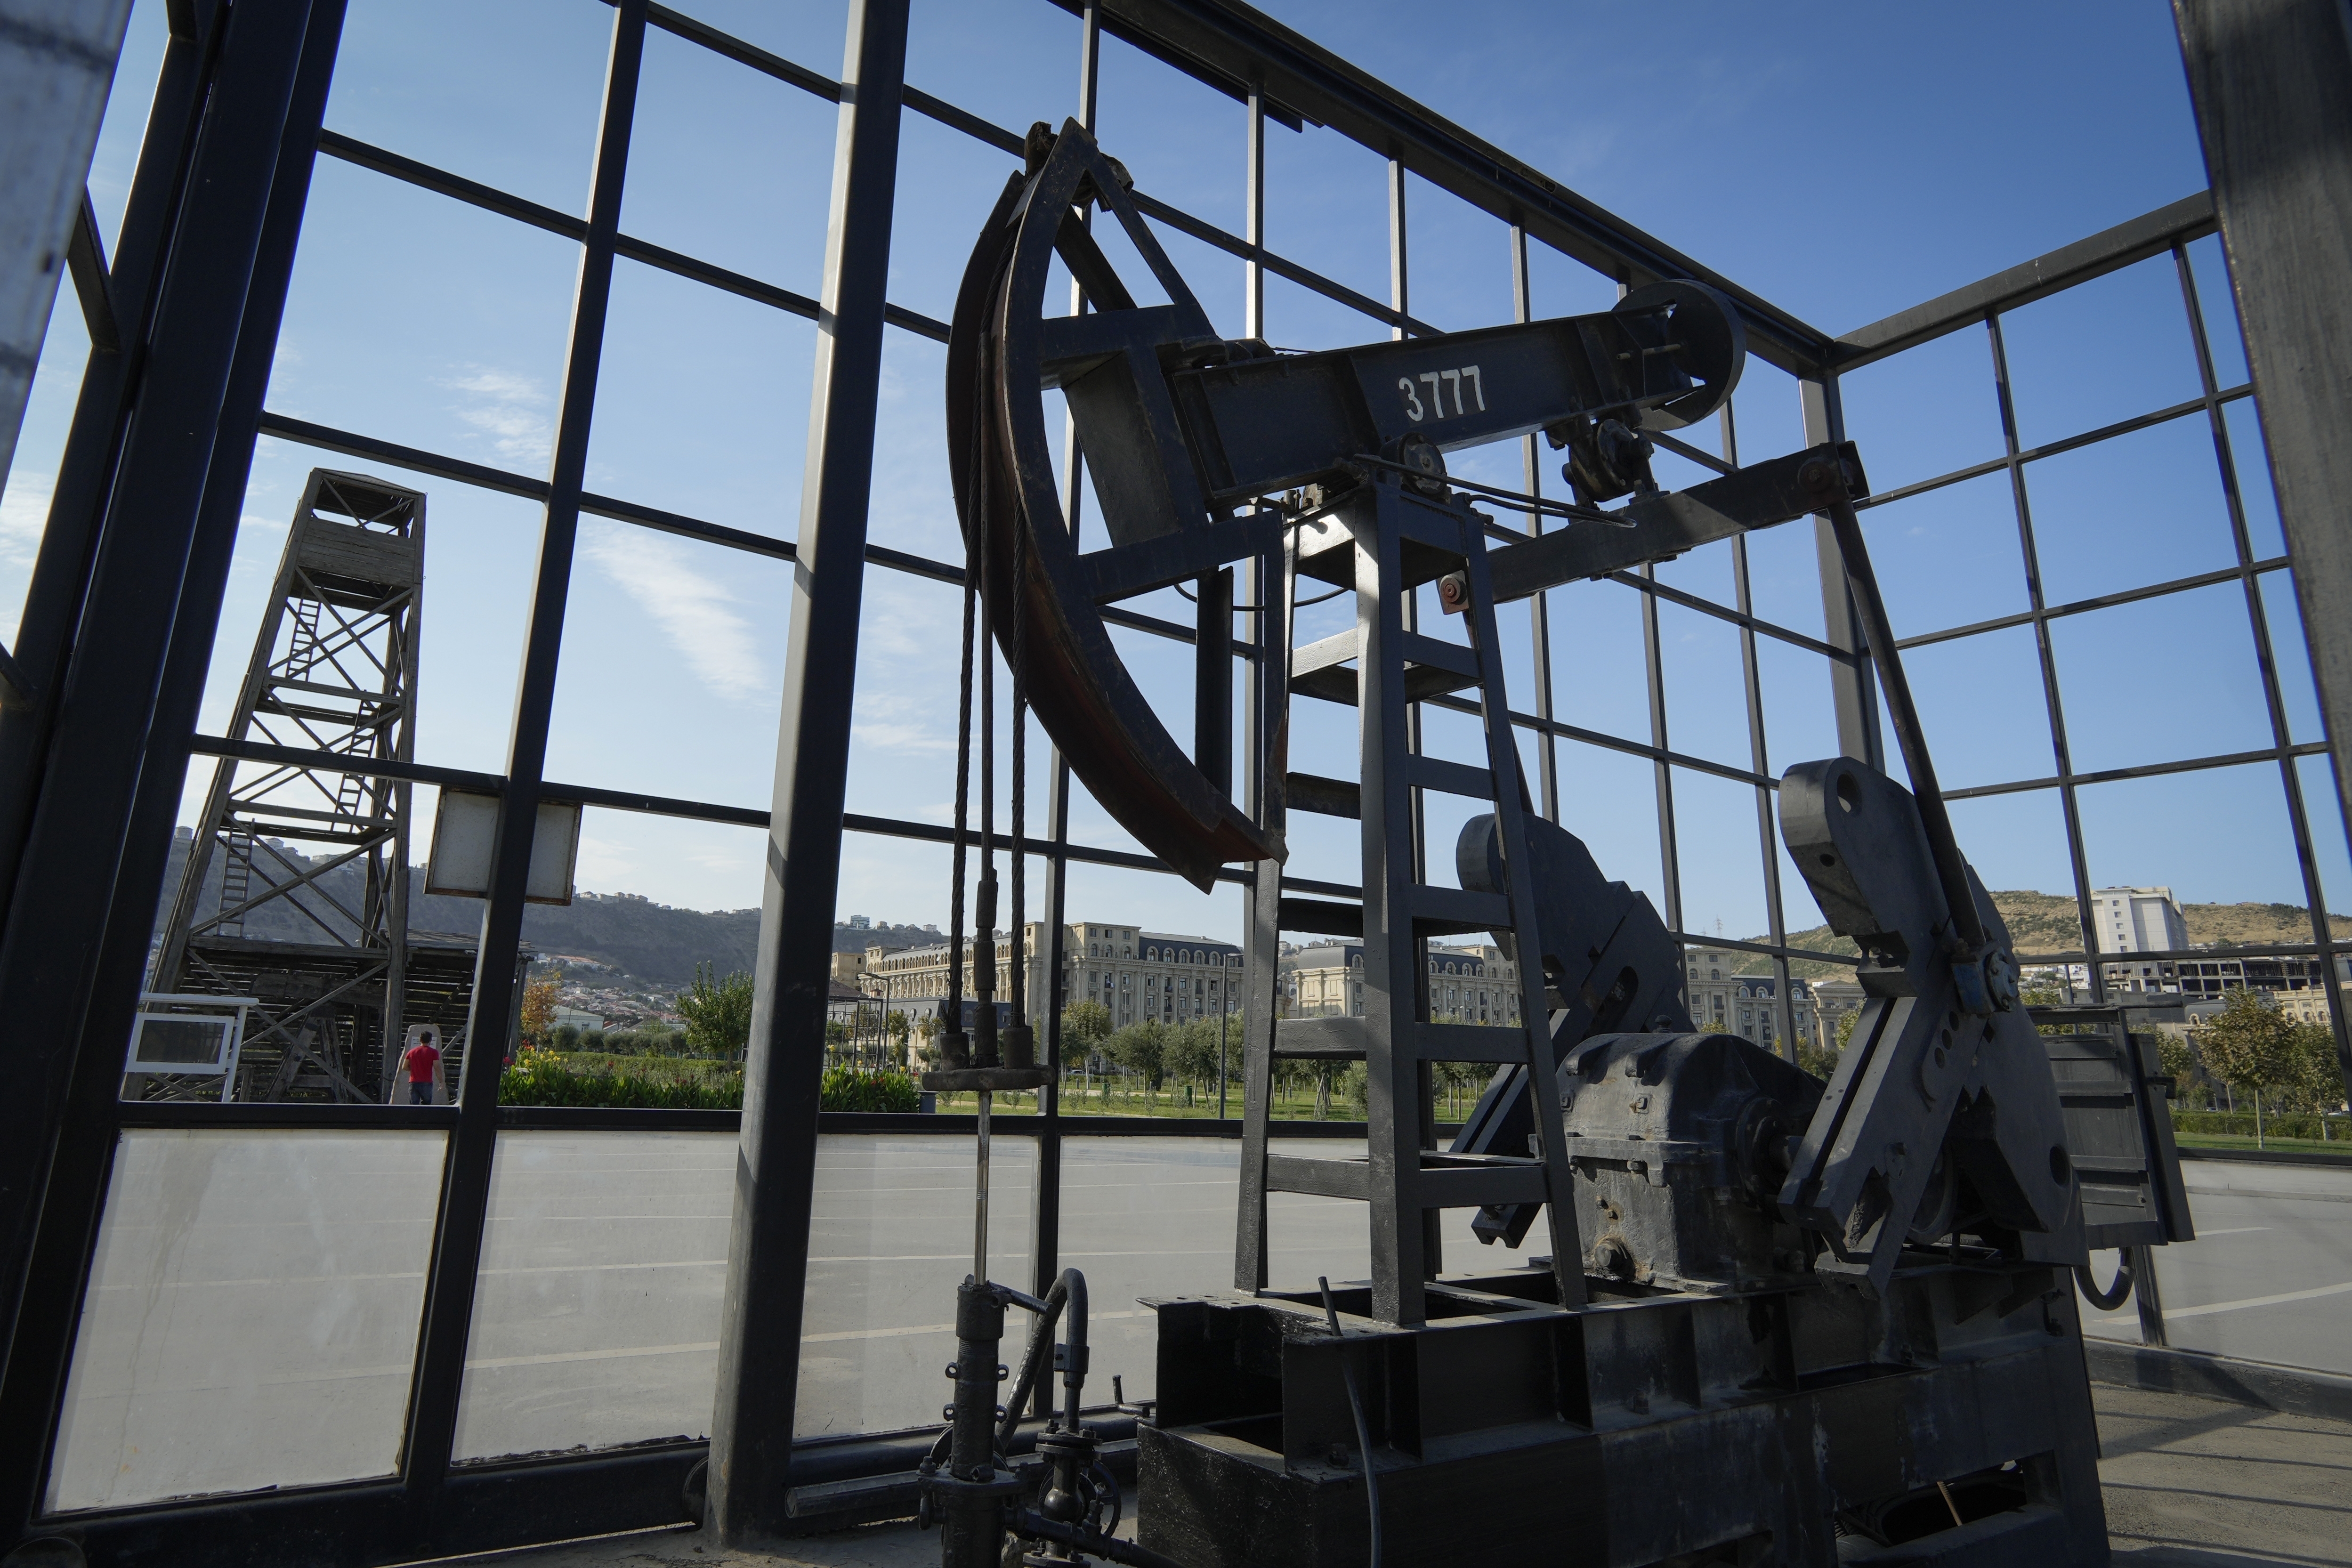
point(1000, 459)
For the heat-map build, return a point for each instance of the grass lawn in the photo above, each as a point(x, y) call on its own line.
point(2339, 1147)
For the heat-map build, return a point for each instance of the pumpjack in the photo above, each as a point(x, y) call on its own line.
point(1780, 1320)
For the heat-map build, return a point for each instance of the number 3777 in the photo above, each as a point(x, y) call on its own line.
point(1438, 385)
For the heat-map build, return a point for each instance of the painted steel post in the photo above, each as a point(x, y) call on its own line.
point(775, 1173)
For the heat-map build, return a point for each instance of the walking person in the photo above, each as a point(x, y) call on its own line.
point(422, 1059)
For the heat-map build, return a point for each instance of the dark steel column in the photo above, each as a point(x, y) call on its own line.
point(106, 694)
point(2271, 82)
point(466, 1180)
point(84, 1159)
point(1670, 864)
point(1768, 826)
point(1854, 686)
point(775, 1173)
point(1539, 606)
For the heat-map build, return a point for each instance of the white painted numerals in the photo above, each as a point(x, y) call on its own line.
point(1439, 383)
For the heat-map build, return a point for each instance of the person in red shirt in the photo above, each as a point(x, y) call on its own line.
point(422, 1059)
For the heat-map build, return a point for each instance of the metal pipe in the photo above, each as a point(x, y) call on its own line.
point(980, 1193)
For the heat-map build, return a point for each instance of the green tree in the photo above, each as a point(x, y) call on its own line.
point(718, 1014)
point(1192, 1053)
point(1459, 1081)
point(1141, 1048)
point(896, 1025)
point(539, 1009)
point(2317, 1079)
point(2250, 1045)
point(1084, 1026)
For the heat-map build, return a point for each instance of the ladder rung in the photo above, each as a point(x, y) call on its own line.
point(1422, 682)
point(1325, 797)
point(1322, 1178)
point(1504, 1045)
point(1345, 1038)
point(1434, 653)
point(1323, 653)
point(1452, 778)
point(1458, 910)
point(1332, 684)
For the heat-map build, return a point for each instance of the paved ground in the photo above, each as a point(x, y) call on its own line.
point(254, 1307)
point(2189, 1483)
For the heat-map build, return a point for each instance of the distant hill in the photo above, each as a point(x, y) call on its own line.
point(653, 943)
point(2051, 923)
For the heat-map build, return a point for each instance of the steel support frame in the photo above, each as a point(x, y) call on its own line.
point(83, 782)
point(767, 1266)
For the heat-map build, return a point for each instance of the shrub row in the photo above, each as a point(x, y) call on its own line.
point(856, 1088)
point(542, 1078)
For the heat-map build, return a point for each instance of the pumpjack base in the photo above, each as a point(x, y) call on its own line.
point(1800, 1426)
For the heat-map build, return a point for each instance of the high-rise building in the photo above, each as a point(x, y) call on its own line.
point(2137, 919)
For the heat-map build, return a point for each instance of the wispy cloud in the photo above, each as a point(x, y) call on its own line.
point(24, 513)
point(509, 410)
point(695, 612)
point(889, 722)
point(602, 861)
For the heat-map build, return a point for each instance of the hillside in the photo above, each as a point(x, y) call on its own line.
point(653, 943)
point(2050, 922)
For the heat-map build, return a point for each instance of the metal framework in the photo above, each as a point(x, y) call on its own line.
point(334, 669)
point(120, 621)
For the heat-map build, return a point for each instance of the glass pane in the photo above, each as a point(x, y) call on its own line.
point(2266, 1279)
point(889, 1240)
point(1949, 557)
point(251, 1318)
point(596, 1316)
point(1924, 411)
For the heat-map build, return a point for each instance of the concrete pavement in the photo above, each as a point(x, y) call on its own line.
point(253, 1312)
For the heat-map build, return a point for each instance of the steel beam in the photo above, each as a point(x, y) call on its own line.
point(2271, 82)
point(2109, 250)
point(767, 1264)
point(79, 1173)
point(1853, 685)
point(86, 800)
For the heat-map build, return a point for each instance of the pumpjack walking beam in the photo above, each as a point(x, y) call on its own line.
point(1385, 538)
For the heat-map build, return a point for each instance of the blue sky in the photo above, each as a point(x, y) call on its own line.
point(1842, 161)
